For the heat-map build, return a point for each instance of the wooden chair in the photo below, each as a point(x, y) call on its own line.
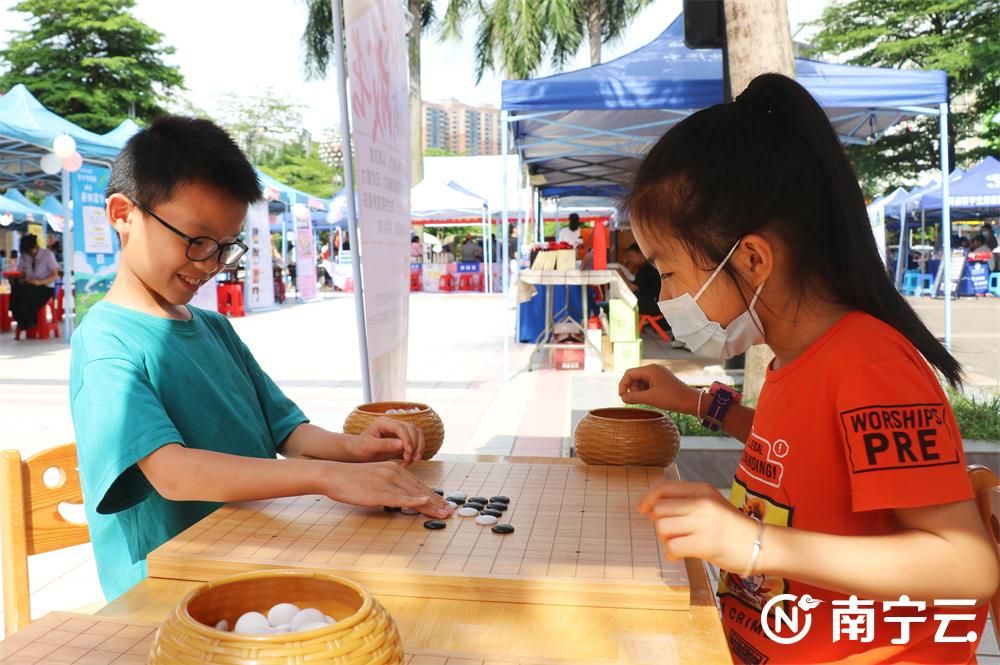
point(31, 522)
point(984, 485)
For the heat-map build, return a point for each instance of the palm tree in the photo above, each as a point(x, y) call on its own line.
point(317, 38)
point(514, 35)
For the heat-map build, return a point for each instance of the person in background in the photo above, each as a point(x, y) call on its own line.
point(29, 294)
point(646, 284)
point(963, 243)
point(416, 249)
point(571, 234)
point(13, 257)
point(3, 259)
point(470, 251)
point(979, 245)
point(989, 236)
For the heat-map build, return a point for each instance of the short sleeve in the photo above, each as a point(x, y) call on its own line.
point(901, 443)
point(281, 413)
point(119, 420)
point(52, 263)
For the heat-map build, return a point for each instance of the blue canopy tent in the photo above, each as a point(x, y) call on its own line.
point(123, 132)
point(975, 193)
point(14, 212)
point(588, 129)
point(37, 214)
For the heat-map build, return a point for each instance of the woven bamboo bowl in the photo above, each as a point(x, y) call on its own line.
point(626, 437)
point(364, 633)
point(427, 420)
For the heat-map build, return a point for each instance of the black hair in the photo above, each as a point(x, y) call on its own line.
point(634, 247)
point(414, 239)
point(13, 253)
point(772, 161)
point(177, 150)
point(987, 227)
point(980, 237)
point(27, 243)
point(574, 221)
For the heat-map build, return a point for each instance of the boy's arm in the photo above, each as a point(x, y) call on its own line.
point(179, 473)
point(384, 439)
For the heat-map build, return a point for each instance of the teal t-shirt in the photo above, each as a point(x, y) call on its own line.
point(139, 382)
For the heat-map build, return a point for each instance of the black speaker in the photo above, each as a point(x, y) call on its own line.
point(704, 24)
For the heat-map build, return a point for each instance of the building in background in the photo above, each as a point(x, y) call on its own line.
point(461, 129)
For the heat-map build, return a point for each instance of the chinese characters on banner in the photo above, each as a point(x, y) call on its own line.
point(379, 112)
point(95, 258)
point(305, 254)
point(259, 289)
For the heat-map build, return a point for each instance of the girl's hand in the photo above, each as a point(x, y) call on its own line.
point(382, 484)
point(655, 385)
point(693, 520)
point(386, 438)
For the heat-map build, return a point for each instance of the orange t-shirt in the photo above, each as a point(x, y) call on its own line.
point(855, 427)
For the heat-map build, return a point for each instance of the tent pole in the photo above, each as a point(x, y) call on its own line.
point(946, 223)
point(68, 251)
point(505, 227)
point(486, 251)
point(352, 215)
point(900, 260)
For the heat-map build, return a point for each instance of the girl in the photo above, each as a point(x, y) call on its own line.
point(852, 479)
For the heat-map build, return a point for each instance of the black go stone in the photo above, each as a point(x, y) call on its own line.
point(477, 499)
point(503, 528)
point(489, 511)
point(500, 499)
point(475, 504)
point(439, 491)
point(455, 499)
point(391, 509)
point(434, 524)
point(496, 505)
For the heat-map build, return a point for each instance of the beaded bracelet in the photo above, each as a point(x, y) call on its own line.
point(755, 552)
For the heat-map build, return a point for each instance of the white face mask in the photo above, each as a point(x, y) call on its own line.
point(689, 324)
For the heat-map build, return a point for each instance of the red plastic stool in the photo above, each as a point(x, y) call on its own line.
point(42, 328)
point(466, 282)
point(482, 282)
point(4, 312)
point(230, 300)
point(57, 306)
point(446, 283)
point(654, 323)
point(415, 281)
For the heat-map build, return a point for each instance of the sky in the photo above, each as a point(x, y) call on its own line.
point(246, 47)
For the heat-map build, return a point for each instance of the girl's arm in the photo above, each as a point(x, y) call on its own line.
point(940, 552)
point(383, 440)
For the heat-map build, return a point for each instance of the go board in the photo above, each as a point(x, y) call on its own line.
point(81, 639)
point(578, 540)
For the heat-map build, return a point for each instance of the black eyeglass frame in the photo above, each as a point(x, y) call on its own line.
point(220, 247)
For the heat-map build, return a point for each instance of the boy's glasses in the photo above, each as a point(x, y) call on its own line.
point(203, 248)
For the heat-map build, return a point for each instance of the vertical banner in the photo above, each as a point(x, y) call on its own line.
point(96, 245)
point(379, 82)
point(305, 254)
point(259, 284)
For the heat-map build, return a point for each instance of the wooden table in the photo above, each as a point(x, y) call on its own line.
point(513, 631)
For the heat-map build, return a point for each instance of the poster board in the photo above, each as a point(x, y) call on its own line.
point(305, 254)
point(379, 84)
point(259, 283)
point(96, 244)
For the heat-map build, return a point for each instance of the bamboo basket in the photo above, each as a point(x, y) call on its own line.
point(364, 633)
point(427, 420)
point(626, 437)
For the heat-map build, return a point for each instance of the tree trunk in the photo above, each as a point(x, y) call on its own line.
point(595, 12)
point(758, 41)
point(416, 102)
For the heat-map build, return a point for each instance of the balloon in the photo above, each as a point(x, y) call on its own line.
point(64, 145)
point(73, 162)
point(51, 163)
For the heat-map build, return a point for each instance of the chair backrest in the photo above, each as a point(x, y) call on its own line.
point(34, 498)
point(984, 485)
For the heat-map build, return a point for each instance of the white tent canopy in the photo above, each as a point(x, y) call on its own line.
point(480, 175)
point(437, 201)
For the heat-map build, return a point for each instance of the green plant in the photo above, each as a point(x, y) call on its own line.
point(978, 418)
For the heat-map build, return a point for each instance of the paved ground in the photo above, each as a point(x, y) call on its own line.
point(456, 364)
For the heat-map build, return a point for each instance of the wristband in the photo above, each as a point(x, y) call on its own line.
point(722, 398)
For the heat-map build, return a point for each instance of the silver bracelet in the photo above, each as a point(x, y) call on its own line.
point(701, 392)
point(755, 552)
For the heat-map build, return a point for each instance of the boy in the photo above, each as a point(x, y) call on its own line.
point(173, 415)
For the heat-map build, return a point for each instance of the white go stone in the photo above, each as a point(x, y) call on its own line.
point(252, 623)
point(468, 512)
point(452, 505)
point(330, 619)
point(409, 511)
point(223, 625)
point(455, 495)
point(486, 520)
point(306, 617)
point(283, 628)
point(312, 626)
point(282, 613)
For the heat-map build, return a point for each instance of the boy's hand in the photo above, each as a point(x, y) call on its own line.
point(655, 385)
point(383, 484)
point(386, 438)
point(693, 520)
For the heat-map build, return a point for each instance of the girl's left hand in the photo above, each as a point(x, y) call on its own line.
point(694, 520)
point(386, 438)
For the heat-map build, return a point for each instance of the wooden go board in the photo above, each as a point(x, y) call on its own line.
point(65, 638)
point(578, 540)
